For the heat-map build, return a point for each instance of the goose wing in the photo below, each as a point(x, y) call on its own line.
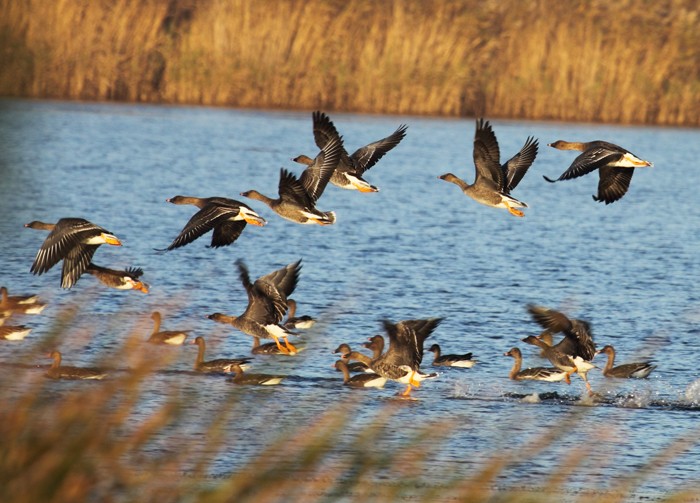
point(366, 157)
point(292, 190)
point(68, 233)
point(517, 166)
point(315, 178)
point(406, 340)
point(613, 183)
point(487, 155)
point(599, 154)
point(211, 216)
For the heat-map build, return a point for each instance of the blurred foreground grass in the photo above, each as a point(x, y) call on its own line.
point(97, 441)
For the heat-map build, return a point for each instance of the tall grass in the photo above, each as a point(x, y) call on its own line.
point(107, 441)
point(630, 61)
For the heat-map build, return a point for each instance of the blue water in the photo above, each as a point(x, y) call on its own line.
point(418, 248)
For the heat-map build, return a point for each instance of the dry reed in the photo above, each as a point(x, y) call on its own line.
point(630, 61)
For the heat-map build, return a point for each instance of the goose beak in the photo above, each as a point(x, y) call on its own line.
point(110, 239)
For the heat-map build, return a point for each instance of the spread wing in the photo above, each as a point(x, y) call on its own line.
point(315, 178)
point(517, 166)
point(613, 183)
point(590, 160)
point(487, 155)
point(366, 157)
point(210, 217)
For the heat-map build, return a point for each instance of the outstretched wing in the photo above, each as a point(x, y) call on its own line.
point(315, 178)
point(366, 157)
point(487, 155)
point(516, 167)
point(613, 183)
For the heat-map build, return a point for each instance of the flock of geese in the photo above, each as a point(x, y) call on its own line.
point(74, 241)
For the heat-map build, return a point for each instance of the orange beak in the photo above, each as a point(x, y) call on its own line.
point(111, 240)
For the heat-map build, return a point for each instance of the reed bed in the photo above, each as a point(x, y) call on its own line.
point(630, 61)
point(110, 441)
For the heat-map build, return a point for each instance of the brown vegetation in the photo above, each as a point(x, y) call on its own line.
point(630, 61)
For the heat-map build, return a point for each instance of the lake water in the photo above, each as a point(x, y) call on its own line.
point(418, 248)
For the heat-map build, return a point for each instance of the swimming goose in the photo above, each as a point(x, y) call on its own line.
point(269, 348)
point(348, 174)
point(402, 360)
point(227, 217)
point(218, 365)
point(360, 380)
point(11, 300)
point(356, 366)
point(241, 377)
point(171, 337)
point(14, 332)
point(297, 322)
point(569, 364)
point(532, 373)
point(464, 361)
point(127, 279)
point(297, 198)
point(637, 370)
point(73, 240)
point(57, 371)
point(615, 166)
point(19, 304)
point(577, 340)
point(267, 304)
point(493, 182)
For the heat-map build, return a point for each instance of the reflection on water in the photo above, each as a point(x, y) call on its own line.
point(418, 248)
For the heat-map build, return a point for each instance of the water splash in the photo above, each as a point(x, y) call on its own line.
point(692, 392)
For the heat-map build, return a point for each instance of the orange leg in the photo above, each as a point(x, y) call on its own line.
point(412, 381)
point(515, 211)
point(282, 349)
point(407, 391)
point(290, 347)
point(567, 377)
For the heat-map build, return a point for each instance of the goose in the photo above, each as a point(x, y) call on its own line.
point(356, 366)
point(73, 240)
point(360, 380)
point(636, 370)
point(267, 304)
point(218, 365)
point(577, 340)
point(241, 377)
point(127, 279)
point(297, 197)
point(569, 364)
point(440, 360)
point(14, 333)
point(402, 360)
point(294, 322)
point(532, 373)
point(226, 217)
point(19, 304)
point(171, 337)
point(348, 174)
point(12, 300)
point(58, 371)
point(493, 182)
point(615, 166)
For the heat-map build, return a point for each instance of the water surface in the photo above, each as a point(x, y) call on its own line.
point(418, 248)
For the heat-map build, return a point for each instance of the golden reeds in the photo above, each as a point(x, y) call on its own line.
point(630, 61)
